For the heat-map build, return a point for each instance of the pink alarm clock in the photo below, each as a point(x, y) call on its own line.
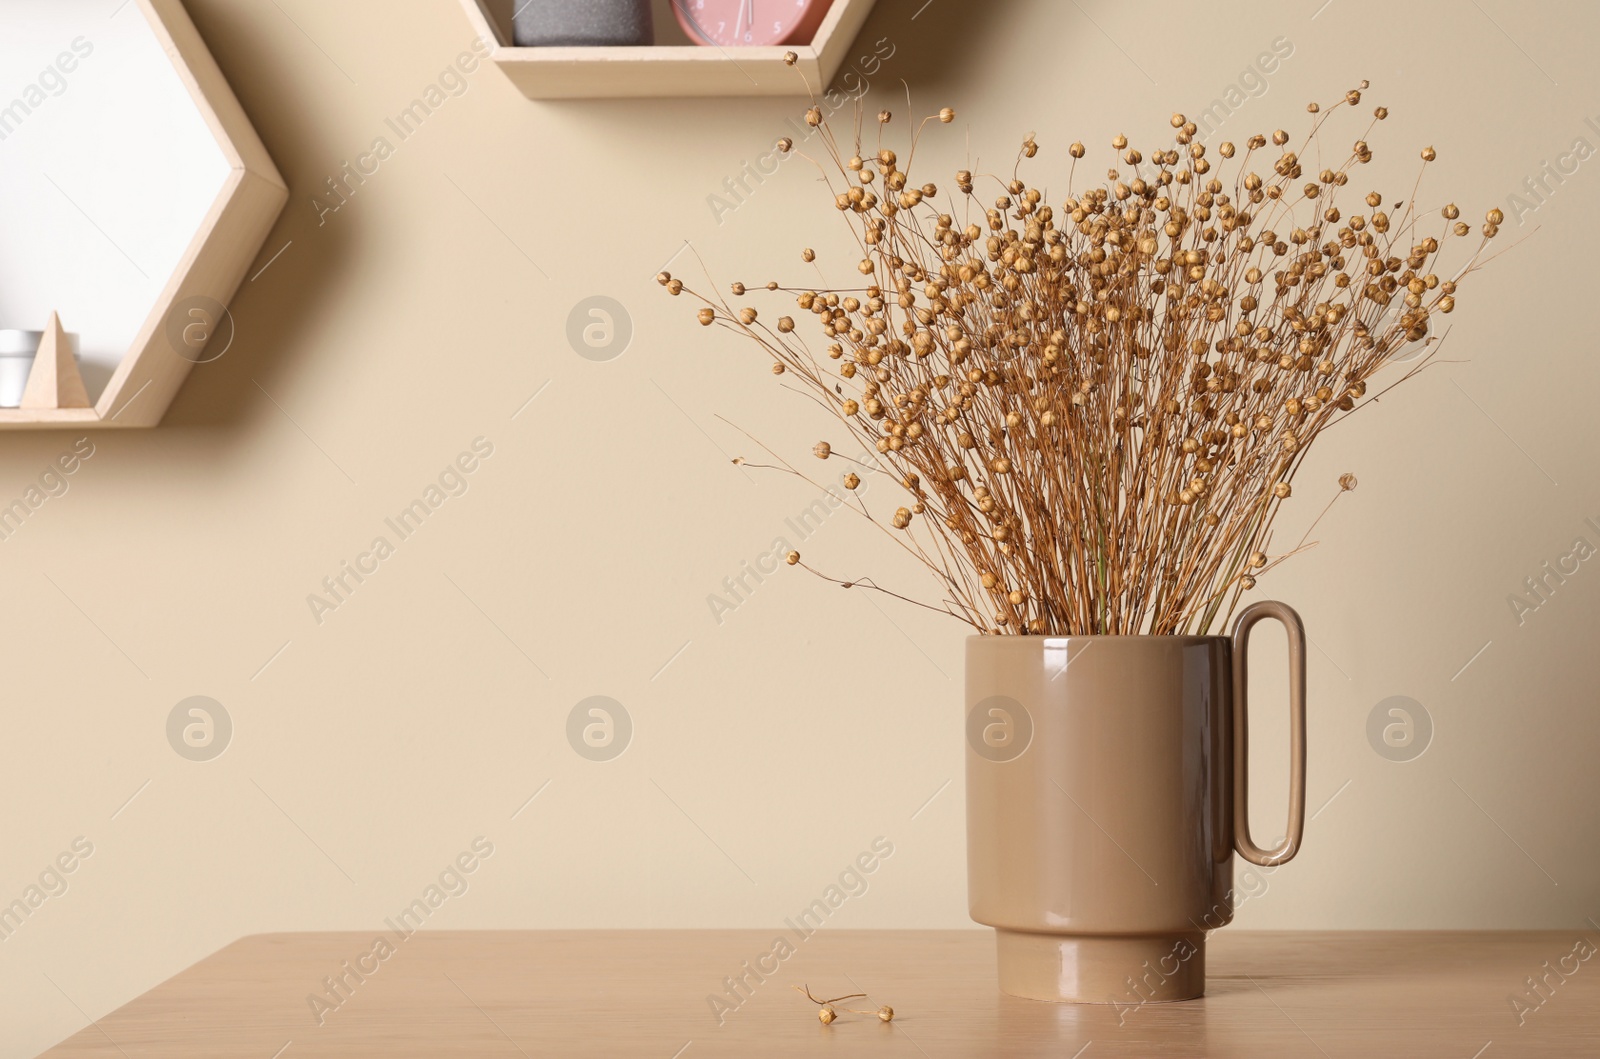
point(750, 23)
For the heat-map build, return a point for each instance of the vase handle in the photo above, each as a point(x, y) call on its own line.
point(1241, 732)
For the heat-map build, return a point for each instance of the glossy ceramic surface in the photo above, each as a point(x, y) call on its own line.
point(1101, 797)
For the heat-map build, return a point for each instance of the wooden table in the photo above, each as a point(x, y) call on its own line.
point(644, 993)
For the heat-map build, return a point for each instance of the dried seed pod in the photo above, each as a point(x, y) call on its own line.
point(1146, 328)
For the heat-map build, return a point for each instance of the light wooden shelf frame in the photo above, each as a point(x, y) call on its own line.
point(668, 70)
point(217, 257)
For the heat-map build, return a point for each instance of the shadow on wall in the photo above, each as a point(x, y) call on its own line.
point(266, 341)
point(928, 38)
point(931, 39)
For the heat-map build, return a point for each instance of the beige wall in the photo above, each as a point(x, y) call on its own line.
point(778, 744)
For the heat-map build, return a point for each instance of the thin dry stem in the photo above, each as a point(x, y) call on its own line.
point(1096, 409)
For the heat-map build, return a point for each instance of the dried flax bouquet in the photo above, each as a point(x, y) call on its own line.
point(1096, 407)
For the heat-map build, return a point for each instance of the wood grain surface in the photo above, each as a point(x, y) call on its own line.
point(506, 994)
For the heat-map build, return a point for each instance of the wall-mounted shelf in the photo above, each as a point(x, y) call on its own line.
point(133, 191)
point(668, 69)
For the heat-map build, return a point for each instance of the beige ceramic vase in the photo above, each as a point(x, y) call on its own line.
point(1106, 796)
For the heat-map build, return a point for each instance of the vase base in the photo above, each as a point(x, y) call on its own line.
point(1102, 969)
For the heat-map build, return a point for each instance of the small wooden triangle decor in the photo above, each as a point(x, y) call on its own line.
point(54, 381)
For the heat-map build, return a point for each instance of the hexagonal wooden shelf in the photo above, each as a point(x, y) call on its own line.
point(162, 197)
point(667, 69)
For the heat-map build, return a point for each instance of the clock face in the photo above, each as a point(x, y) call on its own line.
point(750, 23)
